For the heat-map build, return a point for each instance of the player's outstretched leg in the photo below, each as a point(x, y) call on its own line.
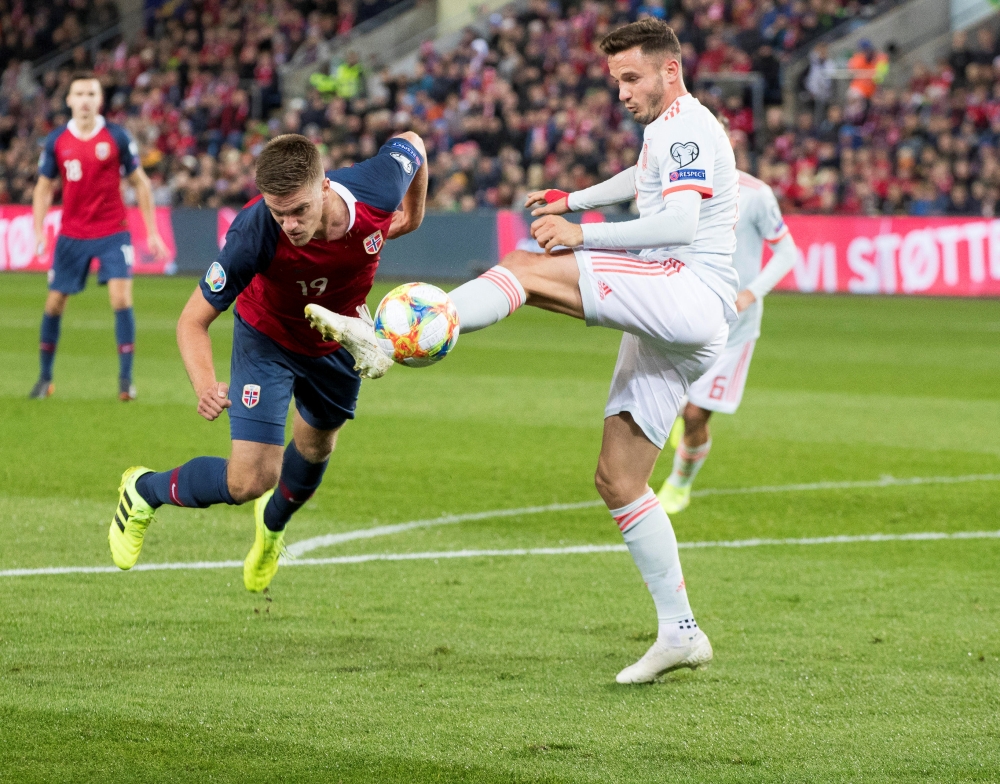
point(198, 483)
point(551, 282)
point(492, 296)
point(627, 459)
point(690, 456)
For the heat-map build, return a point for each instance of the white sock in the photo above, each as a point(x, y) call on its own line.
point(688, 461)
point(492, 296)
point(653, 546)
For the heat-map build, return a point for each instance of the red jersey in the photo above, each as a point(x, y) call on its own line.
point(272, 281)
point(91, 169)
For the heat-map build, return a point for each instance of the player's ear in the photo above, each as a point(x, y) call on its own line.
point(670, 68)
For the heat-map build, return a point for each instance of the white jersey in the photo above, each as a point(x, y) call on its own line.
point(760, 221)
point(686, 148)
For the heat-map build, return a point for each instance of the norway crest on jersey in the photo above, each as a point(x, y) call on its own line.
point(251, 395)
point(102, 150)
point(373, 243)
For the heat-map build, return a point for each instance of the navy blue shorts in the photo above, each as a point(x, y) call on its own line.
point(72, 261)
point(264, 375)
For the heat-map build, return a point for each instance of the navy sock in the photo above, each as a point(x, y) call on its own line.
point(198, 483)
point(299, 480)
point(125, 335)
point(49, 341)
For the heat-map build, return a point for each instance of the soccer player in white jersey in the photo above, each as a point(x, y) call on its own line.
point(721, 388)
point(673, 300)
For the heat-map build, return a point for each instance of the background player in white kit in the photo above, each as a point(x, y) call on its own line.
point(721, 388)
point(672, 301)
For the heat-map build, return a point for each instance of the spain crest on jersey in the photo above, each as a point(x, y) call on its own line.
point(373, 243)
point(251, 395)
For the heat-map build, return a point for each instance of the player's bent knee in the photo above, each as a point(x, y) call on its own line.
point(695, 418)
point(519, 259)
point(616, 490)
point(55, 303)
point(247, 485)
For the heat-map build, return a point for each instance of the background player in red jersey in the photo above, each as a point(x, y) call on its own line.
point(91, 156)
point(309, 239)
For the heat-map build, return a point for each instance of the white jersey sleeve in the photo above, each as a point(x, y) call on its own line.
point(770, 222)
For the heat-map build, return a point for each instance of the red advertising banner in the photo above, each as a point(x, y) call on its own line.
point(952, 257)
point(17, 240)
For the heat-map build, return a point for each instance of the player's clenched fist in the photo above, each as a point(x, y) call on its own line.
point(554, 202)
point(213, 400)
point(551, 231)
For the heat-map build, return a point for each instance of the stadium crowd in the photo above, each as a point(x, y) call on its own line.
point(928, 148)
point(525, 102)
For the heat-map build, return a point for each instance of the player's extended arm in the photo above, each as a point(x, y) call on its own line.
point(196, 351)
point(619, 188)
point(41, 201)
point(411, 214)
point(144, 196)
point(781, 264)
point(676, 226)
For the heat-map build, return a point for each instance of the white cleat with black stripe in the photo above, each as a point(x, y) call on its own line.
point(663, 657)
point(357, 335)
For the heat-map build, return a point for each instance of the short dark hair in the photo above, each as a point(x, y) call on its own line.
point(82, 76)
point(651, 35)
point(286, 164)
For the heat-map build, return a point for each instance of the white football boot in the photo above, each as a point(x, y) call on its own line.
point(357, 335)
point(664, 656)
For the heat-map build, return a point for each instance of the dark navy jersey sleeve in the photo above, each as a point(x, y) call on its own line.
point(382, 181)
point(48, 166)
point(250, 244)
point(128, 151)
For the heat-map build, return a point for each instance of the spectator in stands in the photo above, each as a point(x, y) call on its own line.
point(870, 68)
point(819, 78)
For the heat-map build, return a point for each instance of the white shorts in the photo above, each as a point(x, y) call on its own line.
point(721, 388)
point(674, 324)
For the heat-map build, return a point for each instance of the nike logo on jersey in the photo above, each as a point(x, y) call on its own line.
point(685, 154)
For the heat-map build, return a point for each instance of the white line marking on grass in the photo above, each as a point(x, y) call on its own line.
point(446, 554)
point(315, 543)
point(308, 545)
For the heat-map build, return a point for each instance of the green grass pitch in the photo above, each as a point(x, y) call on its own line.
point(861, 662)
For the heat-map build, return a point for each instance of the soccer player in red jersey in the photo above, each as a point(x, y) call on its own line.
point(311, 238)
point(91, 156)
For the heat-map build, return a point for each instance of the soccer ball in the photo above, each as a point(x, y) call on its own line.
point(416, 324)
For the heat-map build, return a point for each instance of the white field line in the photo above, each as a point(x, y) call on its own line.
point(446, 554)
point(315, 543)
point(308, 545)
